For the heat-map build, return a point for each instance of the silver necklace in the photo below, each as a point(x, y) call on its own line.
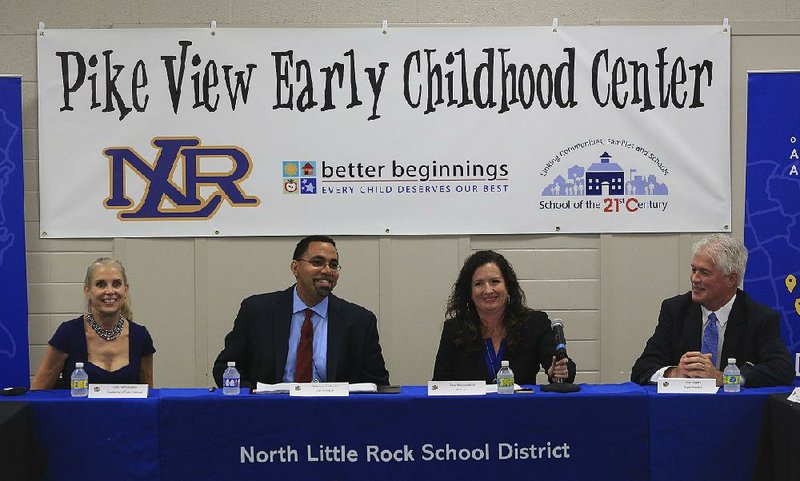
point(107, 334)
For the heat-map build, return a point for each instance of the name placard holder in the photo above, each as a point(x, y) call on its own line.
point(118, 391)
point(320, 389)
point(679, 385)
point(456, 388)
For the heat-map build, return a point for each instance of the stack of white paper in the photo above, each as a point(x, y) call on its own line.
point(284, 387)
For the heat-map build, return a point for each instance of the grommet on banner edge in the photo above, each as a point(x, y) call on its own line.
point(725, 24)
point(555, 24)
point(41, 29)
point(213, 27)
point(385, 27)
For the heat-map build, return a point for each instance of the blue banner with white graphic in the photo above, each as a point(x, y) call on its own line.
point(14, 370)
point(772, 202)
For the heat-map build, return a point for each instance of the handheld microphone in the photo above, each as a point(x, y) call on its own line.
point(561, 352)
point(561, 342)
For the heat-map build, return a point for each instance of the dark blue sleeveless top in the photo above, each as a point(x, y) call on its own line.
point(70, 338)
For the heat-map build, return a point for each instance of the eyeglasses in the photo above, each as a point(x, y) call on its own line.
point(318, 263)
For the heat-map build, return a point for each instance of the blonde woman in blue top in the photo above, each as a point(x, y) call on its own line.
point(113, 348)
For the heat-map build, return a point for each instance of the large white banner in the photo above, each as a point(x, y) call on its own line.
point(407, 131)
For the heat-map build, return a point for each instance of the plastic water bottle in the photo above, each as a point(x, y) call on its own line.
point(79, 381)
point(230, 380)
point(505, 379)
point(731, 377)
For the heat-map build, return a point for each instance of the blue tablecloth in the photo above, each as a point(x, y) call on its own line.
point(405, 436)
point(706, 436)
point(605, 432)
point(96, 439)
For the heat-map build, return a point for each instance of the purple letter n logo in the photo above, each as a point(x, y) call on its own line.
point(159, 185)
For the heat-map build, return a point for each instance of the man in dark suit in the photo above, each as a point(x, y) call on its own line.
point(304, 333)
point(716, 317)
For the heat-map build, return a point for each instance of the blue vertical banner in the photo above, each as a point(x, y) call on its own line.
point(772, 198)
point(14, 366)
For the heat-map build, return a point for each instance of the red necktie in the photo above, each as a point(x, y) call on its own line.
point(305, 350)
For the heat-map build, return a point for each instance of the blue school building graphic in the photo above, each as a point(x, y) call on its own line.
point(604, 178)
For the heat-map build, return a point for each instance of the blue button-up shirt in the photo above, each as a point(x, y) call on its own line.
point(320, 322)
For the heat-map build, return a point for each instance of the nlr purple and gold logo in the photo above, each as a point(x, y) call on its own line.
point(163, 198)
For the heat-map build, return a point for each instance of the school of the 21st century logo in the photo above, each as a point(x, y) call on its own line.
point(604, 182)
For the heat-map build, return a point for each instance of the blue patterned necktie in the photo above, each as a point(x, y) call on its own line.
point(711, 338)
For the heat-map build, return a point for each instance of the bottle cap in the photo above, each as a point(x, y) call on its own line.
point(503, 363)
point(731, 360)
point(231, 363)
point(78, 365)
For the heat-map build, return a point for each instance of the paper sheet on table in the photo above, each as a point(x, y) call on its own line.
point(283, 387)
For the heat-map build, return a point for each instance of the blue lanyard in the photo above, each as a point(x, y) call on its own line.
point(493, 360)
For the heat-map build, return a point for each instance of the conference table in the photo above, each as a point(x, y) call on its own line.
point(604, 432)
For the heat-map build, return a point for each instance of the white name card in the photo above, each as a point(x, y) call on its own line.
point(319, 389)
point(456, 388)
point(795, 395)
point(118, 391)
point(672, 385)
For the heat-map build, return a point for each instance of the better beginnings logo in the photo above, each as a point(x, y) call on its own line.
point(299, 177)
